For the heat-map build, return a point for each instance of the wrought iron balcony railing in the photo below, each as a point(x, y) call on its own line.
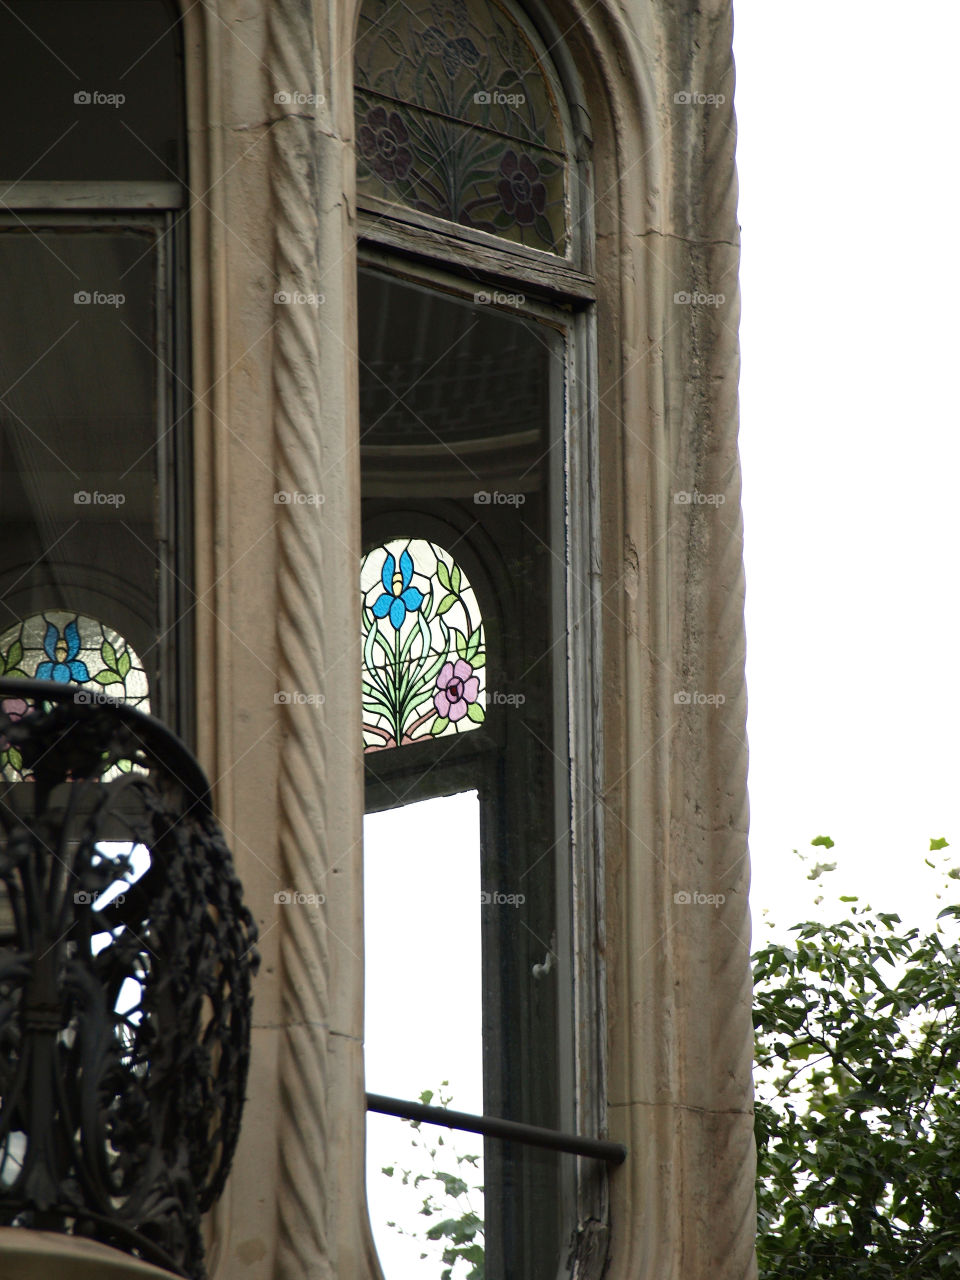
point(126, 958)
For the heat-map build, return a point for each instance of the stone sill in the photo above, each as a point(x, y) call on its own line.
point(47, 1255)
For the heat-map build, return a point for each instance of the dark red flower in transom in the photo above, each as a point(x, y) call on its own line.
point(382, 141)
point(521, 188)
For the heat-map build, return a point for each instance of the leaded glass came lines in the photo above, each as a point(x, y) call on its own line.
point(424, 653)
point(456, 118)
point(68, 648)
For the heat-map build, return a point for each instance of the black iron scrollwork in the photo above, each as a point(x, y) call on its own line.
point(126, 959)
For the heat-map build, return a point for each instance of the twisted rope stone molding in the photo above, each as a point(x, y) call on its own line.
point(716, 652)
point(302, 1242)
point(685, 1025)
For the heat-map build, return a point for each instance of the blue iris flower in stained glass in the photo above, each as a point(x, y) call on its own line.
point(64, 665)
point(398, 598)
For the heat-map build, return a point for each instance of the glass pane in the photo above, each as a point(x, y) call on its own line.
point(455, 401)
point(91, 89)
point(423, 1015)
point(462, 445)
point(70, 649)
point(457, 117)
point(78, 430)
point(424, 656)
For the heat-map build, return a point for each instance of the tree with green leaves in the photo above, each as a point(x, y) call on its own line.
point(858, 1098)
point(458, 1226)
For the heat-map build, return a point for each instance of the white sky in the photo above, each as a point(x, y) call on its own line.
point(848, 160)
point(422, 992)
point(848, 174)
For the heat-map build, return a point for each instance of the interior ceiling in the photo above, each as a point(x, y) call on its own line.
point(449, 391)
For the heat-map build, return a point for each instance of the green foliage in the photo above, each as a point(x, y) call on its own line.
point(858, 1086)
point(459, 1227)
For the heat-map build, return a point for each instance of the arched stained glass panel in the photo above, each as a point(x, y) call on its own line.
point(69, 648)
point(456, 117)
point(424, 652)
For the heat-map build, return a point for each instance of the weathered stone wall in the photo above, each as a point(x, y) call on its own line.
point(273, 210)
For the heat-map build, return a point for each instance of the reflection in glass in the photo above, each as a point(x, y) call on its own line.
point(80, 465)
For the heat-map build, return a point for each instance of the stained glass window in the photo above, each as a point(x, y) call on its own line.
point(68, 648)
point(424, 652)
point(457, 116)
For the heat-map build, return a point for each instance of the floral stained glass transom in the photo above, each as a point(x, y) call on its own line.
point(456, 117)
point(424, 652)
point(68, 648)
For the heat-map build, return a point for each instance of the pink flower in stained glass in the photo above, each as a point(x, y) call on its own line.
point(457, 687)
point(13, 709)
point(521, 190)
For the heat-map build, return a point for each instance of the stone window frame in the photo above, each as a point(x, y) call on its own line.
point(560, 297)
point(677, 994)
point(459, 259)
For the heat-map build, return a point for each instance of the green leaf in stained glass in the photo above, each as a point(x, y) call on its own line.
point(458, 116)
point(422, 669)
point(13, 657)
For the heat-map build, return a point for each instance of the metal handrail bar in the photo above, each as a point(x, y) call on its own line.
point(493, 1127)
